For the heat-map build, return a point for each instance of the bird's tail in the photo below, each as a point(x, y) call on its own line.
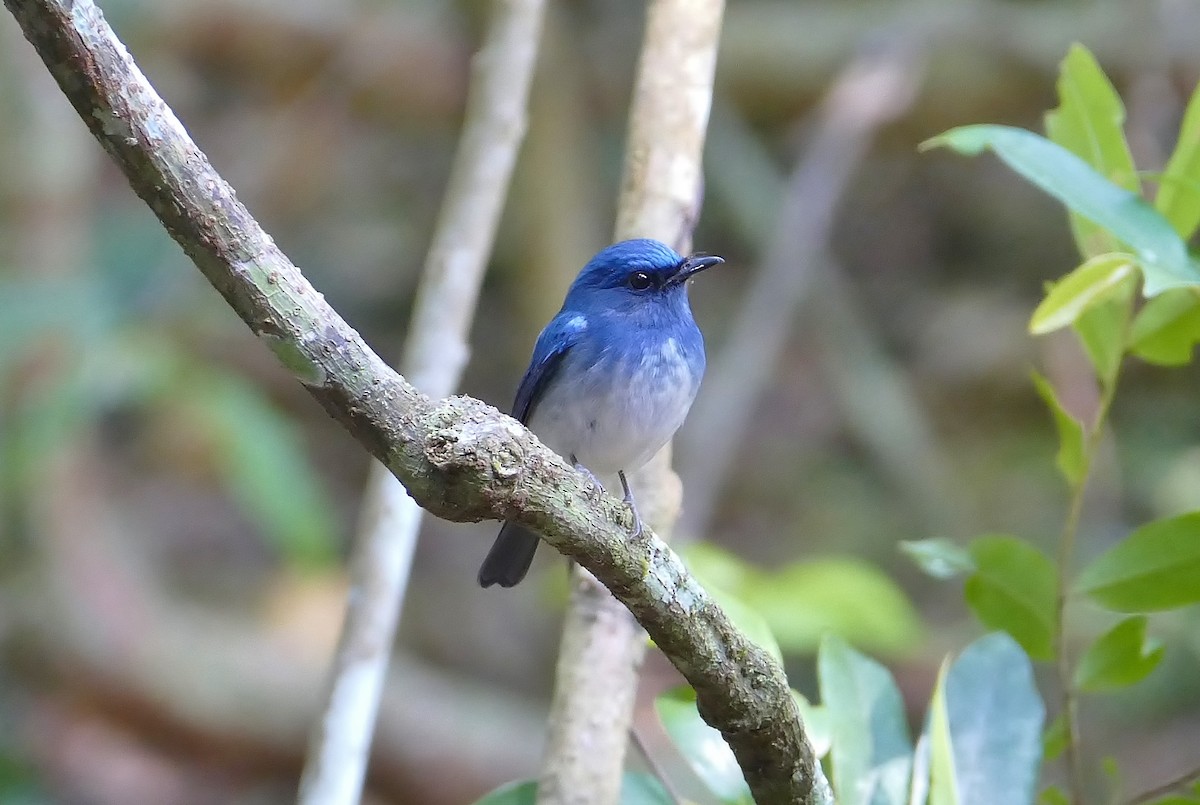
point(510, 557)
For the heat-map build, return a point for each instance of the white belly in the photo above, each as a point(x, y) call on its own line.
point(612, 420)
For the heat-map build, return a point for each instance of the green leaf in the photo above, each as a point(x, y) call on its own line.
point(1088, 121)
point(1167, 328)
point(1071, 459)
point(717, 567)
point(943, 783)
point(1103, 330)
point(1097, 300)
point(519, 792)
point(802, 601)
point(1055, 739)
point(817, 725)
point(1178, 196)
point(702, 746)
point(1120, 657)
point(1112, 771)
point(262, 462)
point(918, 790)
point(995, 715)
point(1097, 280)
point(805, 600)
point(871, 754)
point(638, 788)
point(1157, 567)
point(1162, 254)
point(938, 557)
point(1053, 795)
point(1014, 589)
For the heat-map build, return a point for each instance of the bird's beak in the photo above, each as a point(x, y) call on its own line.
point(694, 265)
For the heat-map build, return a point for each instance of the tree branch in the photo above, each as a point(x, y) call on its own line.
point(459, 458)
point(434, 356)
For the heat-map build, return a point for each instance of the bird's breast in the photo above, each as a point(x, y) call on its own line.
point(615, 405)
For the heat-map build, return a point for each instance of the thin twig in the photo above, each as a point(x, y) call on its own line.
point(434, 356)
point(602, 646)
point(1062, 663)
point(458, 458)
point(1066, 546)
point(1187, 778)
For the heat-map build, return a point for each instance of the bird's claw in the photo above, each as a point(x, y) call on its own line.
point(628, 501)
point(586, 473)
point(627, 497)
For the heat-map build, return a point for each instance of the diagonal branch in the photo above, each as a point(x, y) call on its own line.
point(459, 458)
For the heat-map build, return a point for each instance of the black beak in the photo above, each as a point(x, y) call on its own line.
point(693, 265)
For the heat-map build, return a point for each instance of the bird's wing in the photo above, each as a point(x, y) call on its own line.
point(560, 335)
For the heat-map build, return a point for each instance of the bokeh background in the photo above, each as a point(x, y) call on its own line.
point(175, 509)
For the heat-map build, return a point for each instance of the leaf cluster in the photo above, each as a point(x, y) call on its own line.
point(1126, 243)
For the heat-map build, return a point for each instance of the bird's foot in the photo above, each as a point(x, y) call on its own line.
point(628, 500)
point(586, 472)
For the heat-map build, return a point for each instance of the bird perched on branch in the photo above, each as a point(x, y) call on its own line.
point(612, 376)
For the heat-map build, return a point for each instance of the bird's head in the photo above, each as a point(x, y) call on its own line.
point(635, 272)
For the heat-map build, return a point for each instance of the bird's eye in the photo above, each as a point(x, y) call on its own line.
point(640, 280)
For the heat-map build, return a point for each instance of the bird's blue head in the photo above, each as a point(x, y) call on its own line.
point(636, 273)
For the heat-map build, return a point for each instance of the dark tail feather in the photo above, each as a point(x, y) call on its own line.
point(510, 557)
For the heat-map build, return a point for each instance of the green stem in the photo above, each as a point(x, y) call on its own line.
point(1066, 547)
point(1069, 702)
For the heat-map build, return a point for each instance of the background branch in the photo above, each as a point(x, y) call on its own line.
point(218, 684)
point(602, 648)
point(458, 457)
point(875, 88)
point(434, 356)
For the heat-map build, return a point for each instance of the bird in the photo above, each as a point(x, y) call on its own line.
point(611, 378)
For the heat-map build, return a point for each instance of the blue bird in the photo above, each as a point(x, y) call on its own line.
point(612, 376)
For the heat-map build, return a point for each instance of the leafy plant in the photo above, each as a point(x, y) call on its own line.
point(1123, 241)
point(981, 742)
point(801, 602)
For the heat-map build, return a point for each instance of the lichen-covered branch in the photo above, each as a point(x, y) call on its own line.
point(458, 457)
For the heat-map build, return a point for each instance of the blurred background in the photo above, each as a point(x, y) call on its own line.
point(175, 510)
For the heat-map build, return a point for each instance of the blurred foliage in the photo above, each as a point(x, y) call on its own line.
point(801, 602)
point(101, 352)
